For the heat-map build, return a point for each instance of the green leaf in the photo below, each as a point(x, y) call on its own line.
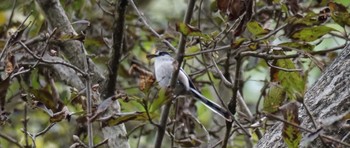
point(34, 78)
point(274, 98)
point(188, 30)
point(343, 2)
point(45, 97)
point(192, 49)
point(303, 46)
point(312, 33)
point(284, 8)
point(339, 13)
point(67, 37)
point(292, 82)
point(290, 134)
point(311, 18)
point(253, 46)
point(256, 29)
point(238, 42)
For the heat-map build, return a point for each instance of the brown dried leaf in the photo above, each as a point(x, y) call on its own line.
point(293, 6)
point(3, 89)
point(95, 87)
point(231, 8)
point(146, 78)
point(59, 116)
point(10, 64)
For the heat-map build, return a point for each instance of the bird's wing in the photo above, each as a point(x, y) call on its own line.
point(187, 82)
point(184, 77)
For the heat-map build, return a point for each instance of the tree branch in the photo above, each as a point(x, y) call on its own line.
point(71, 49)
point(327, 98)
point(179, 58)
point(115, 134)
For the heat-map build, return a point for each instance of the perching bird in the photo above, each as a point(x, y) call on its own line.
point(164, 66)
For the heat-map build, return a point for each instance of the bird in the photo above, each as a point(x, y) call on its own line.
point(165, 65)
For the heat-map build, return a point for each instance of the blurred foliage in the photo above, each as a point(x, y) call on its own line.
point(310, 26)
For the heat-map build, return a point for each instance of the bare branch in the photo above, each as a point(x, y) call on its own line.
point(179, 58)
point(51, 62)
point(143, 19)
point(10, 139)
point(71, 49)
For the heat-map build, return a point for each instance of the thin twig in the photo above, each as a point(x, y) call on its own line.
point(103, 9)
point(201, 125)
point(134, 129)
point(46, 45)
point(310, 115)
point(246, 110)
point(262, 93)
point(233, 102)
point(33, 136)
point(143, 19)
point(139, 139)
point(21, 70)
point(226, 82)
point(245, 44)
point(50, 62)
point(89, 98)
point(44, 131)
point(101, 143)
point(12, 13)
point(312, 118)
point(77, 139)
point(269, 34)
point(234, 27)
point(25, 124)
point(208, 51)
point(39, 38)
point(283, 69)
point(15, 35)
point(344, 36)
point(268, 56)
point(10, 139)
point(211, 80)
point(328, 50)
point(312, 58)
point(148, 115)
point(306, 129)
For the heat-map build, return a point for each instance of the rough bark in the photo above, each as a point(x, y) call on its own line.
point(71, 49)
point(328, 101)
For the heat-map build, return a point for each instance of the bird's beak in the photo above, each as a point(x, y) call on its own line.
point(150, 56)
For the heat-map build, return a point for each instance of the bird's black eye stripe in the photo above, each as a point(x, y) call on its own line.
point(161, 53)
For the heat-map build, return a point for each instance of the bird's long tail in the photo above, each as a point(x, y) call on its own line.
point(212, 105)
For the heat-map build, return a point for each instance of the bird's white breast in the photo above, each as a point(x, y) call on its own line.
point(164, 67)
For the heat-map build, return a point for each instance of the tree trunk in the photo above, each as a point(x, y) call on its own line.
point(328, 101)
